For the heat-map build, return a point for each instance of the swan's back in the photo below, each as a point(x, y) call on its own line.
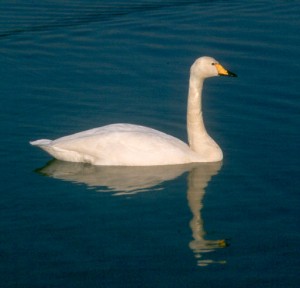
point(120, 144)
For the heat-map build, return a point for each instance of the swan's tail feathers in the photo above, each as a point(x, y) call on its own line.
point(59, 153)
point(45, 145)
point(41, 142)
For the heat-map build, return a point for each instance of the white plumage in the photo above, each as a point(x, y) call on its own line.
point(134, 145)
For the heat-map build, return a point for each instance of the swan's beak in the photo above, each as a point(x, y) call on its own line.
point(223, 72)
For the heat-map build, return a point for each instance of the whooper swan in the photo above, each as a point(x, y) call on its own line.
point(134, 145)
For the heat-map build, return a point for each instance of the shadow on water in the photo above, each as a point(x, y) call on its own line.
point(132, 180)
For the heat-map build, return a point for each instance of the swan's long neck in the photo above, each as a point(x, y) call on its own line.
point(199, 140)
point(195, 125)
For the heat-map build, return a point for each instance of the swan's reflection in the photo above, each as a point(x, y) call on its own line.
point(130, 180)
point(198, 179)
point(122, 180)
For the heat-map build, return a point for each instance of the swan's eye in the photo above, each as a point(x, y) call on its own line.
point(213, 64)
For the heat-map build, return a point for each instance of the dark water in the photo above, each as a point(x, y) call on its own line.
point(68, 66)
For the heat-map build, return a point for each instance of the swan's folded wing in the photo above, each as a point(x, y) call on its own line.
point(122, 147)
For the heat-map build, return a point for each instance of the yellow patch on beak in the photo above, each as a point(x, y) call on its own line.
point(221, 69)
point(223, 72)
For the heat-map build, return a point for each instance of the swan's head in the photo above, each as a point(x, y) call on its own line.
point(205, 67)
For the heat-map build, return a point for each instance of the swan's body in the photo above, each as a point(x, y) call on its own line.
point(133, 145)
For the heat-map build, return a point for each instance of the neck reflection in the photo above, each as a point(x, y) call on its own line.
point(198, 179)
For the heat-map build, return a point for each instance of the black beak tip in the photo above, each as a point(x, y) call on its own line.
point(231, 74)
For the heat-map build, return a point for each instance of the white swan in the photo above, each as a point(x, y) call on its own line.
point(133, 145)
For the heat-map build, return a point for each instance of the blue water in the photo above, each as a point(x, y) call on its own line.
point(68, 66)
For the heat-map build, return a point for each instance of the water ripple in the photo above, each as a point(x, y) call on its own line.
point(58, 15)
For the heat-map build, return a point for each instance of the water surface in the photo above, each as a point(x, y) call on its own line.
point(74, 65)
